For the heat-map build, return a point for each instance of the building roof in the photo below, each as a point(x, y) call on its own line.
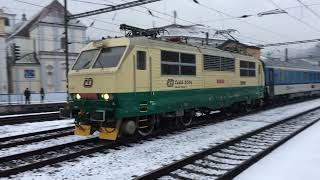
point(246, 45)
point(30, 58)
point(291, 63)
point(52, 13)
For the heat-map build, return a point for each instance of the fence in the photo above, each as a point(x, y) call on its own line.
point(35, 98)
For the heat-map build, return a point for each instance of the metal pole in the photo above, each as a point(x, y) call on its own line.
point(286, 58)
point(66, 46)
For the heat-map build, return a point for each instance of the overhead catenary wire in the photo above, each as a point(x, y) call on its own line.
point(251, 24)
point(163, 13)
point(166, 14)
point(297, 19)
point(193, 23)
point(310, 9)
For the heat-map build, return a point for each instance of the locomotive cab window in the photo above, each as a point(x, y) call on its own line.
point(141, 60)
point(247, 69)
point(174, 63)
point(109, 57)
point(84, 59)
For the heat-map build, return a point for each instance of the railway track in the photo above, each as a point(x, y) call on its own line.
point(19, 119)
point(229, 159)
point(15, 164)
point(23, 139)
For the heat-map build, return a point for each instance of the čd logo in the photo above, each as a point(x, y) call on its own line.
point(88, 82)
point(170, 82)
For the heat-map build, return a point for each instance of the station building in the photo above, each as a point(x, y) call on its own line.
point(7, 21)
point(41, 43)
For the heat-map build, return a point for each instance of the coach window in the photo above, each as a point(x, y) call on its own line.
point(141, 60)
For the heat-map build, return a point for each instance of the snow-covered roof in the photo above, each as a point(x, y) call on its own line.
point(53, 13)
point(30, 58)
point(185, 30)
point(291, 63)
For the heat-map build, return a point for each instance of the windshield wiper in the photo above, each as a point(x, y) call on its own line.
point(100, 64)
point(86, 64)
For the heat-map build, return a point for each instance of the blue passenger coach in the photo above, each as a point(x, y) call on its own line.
point(291, 79)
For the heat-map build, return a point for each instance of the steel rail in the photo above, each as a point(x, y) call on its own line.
point(12, 141)
point(29, 119)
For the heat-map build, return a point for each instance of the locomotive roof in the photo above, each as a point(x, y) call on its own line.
point(291, 63)
point(158, 43)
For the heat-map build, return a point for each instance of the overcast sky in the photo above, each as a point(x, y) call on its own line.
point(299, 24)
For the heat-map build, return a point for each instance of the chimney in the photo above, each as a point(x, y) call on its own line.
point(24, 17)
point(286, 55)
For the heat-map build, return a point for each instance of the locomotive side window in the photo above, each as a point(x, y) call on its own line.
point(217, 63)
point(247, 69)
point(174, 63)
point(141, 60)
point(170, 63)
point(84, 59)
point(187, 64)
point(109, 57)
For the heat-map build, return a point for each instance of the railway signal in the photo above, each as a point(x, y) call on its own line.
point(16, 52)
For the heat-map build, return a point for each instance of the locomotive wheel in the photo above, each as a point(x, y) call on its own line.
point(146, 125)
point(247, 108)
point(186, 120)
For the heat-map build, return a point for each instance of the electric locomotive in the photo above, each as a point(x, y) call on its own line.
point(127, 86)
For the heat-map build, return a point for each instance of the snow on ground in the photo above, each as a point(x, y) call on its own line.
point(295, 160)
point(28, 114)
point(12, 130)
point(142, 158)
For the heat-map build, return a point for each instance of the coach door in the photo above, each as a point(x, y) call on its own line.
point(142, 70)
point(271, 81)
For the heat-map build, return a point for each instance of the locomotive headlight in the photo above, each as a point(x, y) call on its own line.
point(105, 96)
point(78, 96)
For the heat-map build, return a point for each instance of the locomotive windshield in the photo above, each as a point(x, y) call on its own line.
point(85, 58)
point(109, 57)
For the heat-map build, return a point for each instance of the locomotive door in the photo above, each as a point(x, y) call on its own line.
point(142, 70)
point(271, 81)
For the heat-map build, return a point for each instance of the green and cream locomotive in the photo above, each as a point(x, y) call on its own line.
point(127, 86)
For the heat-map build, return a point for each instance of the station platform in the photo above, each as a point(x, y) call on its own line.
point(9, 109)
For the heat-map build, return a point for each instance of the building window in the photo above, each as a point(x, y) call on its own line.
point(141, 60)
point(63, 43)
point(174, 63)
point(217, 63)
point(247, 69)
point(6, 22)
